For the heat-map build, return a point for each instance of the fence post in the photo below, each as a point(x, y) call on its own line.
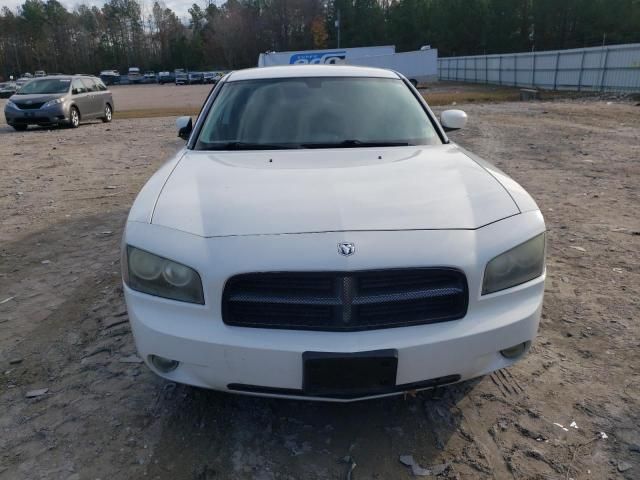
point(486, 69)
point(475, 69)
point(500, 71)
point(555, 74)
point(533, 73)
point(604, 69)
point(581, 70)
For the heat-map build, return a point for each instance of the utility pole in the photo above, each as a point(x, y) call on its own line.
point(338, 26)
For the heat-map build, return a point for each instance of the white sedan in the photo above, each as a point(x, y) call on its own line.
point(320, 237)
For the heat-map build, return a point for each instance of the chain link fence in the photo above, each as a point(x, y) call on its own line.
point(613, 68)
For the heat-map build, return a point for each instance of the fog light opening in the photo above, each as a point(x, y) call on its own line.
point(164, 365)
point(514, 352)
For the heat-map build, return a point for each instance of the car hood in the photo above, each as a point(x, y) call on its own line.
point(36, 97)
point(303, 191)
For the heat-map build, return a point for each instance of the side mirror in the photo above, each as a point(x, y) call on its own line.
point(453, 120)
point(184, 126)
point(74, 91)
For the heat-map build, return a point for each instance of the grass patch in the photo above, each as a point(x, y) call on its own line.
point(467, 94)
point(475, 93)
point(156, 112)
point(447, 98)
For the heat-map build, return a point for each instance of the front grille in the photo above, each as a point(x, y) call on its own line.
point(31, 120)
point(345, 301)
point(30, 106)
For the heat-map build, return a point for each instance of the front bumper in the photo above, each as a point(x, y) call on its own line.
point(269, 362)
point(40, 116)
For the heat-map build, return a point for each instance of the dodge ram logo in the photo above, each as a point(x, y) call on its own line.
point(346, 248)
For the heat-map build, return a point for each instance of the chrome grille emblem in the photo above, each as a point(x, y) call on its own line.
point(346, 248)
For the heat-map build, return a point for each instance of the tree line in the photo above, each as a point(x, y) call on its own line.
point(44, 35)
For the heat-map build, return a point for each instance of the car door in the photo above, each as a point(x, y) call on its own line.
point(104, 95)
point(81, 98)
point(95, 99)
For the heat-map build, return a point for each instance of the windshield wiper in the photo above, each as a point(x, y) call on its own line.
point(354, 143)
point(248, 146)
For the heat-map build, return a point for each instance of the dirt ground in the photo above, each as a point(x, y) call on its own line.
point(143, 101)
point(64, 196)
point(169, 96)
point(189, 98)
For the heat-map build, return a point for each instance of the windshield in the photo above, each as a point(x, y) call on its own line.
point(317, 112)
point(49, 85)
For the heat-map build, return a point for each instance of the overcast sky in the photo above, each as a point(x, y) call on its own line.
point(181, 7)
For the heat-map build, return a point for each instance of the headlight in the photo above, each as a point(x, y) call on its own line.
point(11, 104)
point(518, 265)
point(149, 273)
point(53, 102)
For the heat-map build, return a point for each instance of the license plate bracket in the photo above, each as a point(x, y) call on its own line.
point(349, 374)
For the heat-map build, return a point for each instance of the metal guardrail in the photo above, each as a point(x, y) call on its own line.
point(607, 68)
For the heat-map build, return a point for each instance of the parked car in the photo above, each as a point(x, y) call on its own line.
point(150, 77)
point(110, 77)
point(23, 80)
point(134, 75)
point(181, 78)
point(40, 73)
point(209, 77)
point(195, 78)
point(165, 77)
point(59, 100)
point(311, 243)
point(7, 89)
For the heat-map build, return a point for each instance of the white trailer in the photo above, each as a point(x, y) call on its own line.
point(420, 66)
point(326, 56)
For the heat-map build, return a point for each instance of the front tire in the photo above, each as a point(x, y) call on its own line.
point(74, 118)
point(20, 128)
point(108, 114)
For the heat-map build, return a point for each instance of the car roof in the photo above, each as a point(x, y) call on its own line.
point(294, 71)
point(65, 77)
